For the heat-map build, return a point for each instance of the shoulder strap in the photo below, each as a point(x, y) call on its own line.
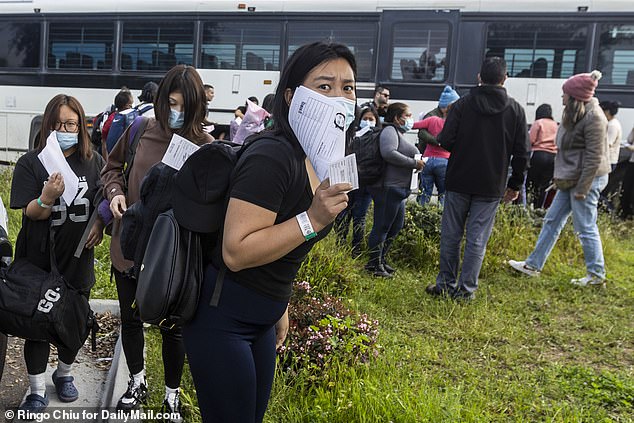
point(134, 135)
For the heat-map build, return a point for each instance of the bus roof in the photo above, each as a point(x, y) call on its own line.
point(255, 6)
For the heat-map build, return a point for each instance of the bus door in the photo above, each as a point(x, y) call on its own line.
point(417, 51)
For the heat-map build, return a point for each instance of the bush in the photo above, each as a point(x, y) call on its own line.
point(418, 243)
point(323, 330)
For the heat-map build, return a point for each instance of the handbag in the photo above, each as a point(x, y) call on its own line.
point(42, 306)
point(170, 275)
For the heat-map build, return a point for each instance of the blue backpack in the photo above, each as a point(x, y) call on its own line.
point(121, 122)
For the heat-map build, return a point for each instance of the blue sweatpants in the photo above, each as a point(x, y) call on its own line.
point(231, 351)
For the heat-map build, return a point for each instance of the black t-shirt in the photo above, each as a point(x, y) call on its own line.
point(69, 222)
point(271, 174)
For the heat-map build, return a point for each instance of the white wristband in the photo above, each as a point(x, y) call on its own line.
point(305, 226)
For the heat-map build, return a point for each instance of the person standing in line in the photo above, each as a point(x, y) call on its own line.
point(179, 109)
point(40, 198)
point(147, 96)
point(615, 131)
point(542, 164)
point(391, 191)
point(276, 213)
point(359, 199)
point(483, 130)
point(379, 102)
point(581, 172)
point(436, 165)
point(627, 194)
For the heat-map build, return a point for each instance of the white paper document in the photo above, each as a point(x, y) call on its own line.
point(4, 218)
point(413, 186)
point(178, 152)
point(318, 123)
point(344, 170)
point(53, 160)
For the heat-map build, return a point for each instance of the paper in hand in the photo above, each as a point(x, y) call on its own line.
point(319, 125)
point(344, 170)
point(178, 152)
point(53, 160)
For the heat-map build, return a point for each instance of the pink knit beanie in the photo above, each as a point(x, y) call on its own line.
point(582, 85)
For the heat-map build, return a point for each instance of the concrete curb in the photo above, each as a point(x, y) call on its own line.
point(96, 388)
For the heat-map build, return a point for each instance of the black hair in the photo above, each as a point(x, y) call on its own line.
point(301, 62)
point(243, 109)
point(394, 111)
point(493, 70)
point(365, 110)
point(254, 99)
point(379, 89)
point(610, 106)
point(148, 93)
point(208, 86)
point(185, 79)
point(122, 99)
point(267, 103)
point(544, 111)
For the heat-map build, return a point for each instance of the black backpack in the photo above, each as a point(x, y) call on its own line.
point(370, 163)
point(181, 239)
point(137, 222)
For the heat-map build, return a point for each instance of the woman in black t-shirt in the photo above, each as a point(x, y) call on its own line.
point(39, 196)
point(276, 209)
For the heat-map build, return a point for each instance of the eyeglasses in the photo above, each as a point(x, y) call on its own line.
point(69, 126)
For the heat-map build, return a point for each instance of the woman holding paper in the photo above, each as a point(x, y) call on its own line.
point(277, 211)
point(179, 109)
point(40, 198)
point(390, 193)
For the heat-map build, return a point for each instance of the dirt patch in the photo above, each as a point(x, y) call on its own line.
point(14, 382)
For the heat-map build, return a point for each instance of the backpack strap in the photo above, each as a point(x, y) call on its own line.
point(134, 135)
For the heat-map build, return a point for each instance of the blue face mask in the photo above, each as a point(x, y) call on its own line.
point(409, 124)
point(177, 119)
point(350, 106)
point(381, 119)
point(67, 140)
point(366, 123)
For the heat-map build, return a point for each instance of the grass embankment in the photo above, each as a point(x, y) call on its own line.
point(524, 350)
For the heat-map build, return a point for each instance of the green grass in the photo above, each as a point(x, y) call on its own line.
point(525, 350)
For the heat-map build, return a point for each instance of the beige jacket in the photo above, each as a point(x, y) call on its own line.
point(582, 153)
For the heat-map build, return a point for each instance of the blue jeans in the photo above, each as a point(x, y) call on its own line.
point(584, 220)
point(389, 217)
point(477, 214)
point(433, 173)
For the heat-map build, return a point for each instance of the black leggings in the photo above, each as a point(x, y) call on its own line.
point(540, 173)
point(173, 348)
point(36, 356)
point(627, 196)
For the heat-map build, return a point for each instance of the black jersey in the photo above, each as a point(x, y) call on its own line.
point(69, 221)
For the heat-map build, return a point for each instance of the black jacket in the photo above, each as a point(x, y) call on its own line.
point(483, 130)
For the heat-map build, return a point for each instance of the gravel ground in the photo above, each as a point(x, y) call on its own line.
point(14, 382)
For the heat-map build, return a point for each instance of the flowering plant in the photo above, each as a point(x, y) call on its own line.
point(322, 328)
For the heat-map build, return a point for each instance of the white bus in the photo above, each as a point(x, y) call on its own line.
point(413, 47)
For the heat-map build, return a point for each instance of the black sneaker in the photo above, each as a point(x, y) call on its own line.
point(434, 290)
point(171, 409)
point(378, 271)
point(134, 396)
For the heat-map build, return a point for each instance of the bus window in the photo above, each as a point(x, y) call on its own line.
point(360, 37)
point(80, 45)
point(536, 50)
point(616, 54)
point(22, 46)
point(241, 45)
point(156, 46)
point(420, 51)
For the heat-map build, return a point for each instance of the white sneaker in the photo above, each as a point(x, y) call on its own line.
point(589, 279)
point(524, 268)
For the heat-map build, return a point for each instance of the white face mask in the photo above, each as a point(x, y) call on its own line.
point(367, 124)
point(350, 106)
